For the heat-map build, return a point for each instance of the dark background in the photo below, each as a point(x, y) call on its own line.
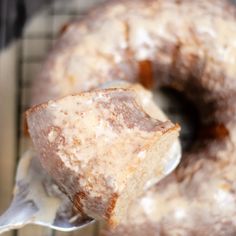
point(13, 15)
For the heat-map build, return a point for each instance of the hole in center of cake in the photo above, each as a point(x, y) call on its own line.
point(179, 110)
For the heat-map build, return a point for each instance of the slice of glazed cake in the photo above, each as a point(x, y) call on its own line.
point(102, 148)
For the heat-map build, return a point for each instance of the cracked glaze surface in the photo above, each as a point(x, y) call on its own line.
point(188, 45)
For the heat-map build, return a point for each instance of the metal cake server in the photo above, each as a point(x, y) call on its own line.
point(38, 200)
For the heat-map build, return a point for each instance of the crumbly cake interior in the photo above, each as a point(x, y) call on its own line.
point(143, 174)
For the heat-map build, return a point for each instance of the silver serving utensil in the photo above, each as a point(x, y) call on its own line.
point(38, 200)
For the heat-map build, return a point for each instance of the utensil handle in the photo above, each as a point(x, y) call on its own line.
point(18, 214)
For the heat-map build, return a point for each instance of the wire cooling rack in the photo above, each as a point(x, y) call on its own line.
point(37, 39)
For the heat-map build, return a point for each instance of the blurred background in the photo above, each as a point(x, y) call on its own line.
point(14, 14)
point(28, 29)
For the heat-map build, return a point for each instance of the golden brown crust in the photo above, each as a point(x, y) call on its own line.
point(110, 209)
point(146, 74)
point(77, 201)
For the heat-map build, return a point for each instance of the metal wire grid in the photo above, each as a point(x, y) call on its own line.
point(36, 41)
